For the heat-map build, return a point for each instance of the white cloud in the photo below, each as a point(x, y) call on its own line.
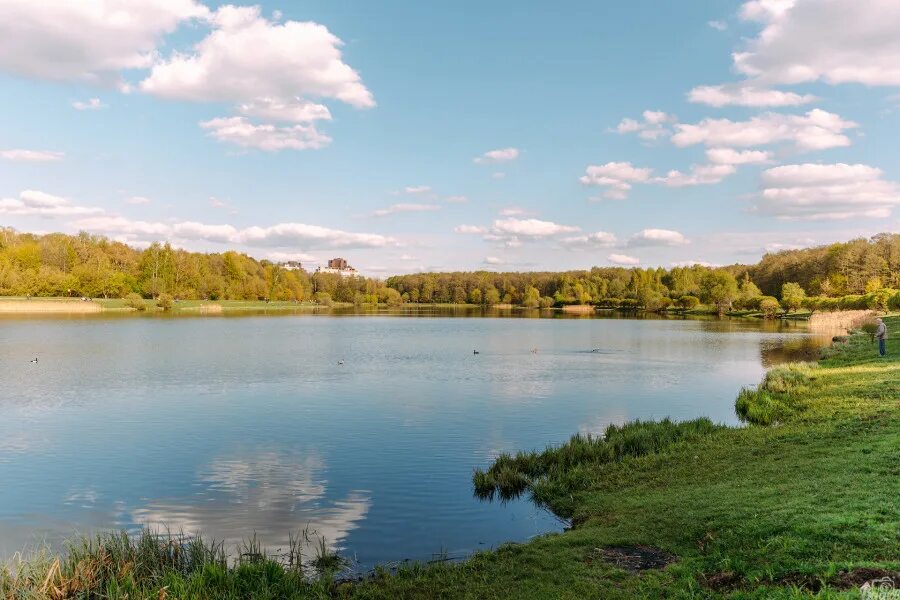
point(598, 239)
point(92, 104)
point(513, 211)
point(282, 235)
point(470, 229)
point(405, 207)
point(657, 237)
point(618, 176)
point(744, 95)
point(623, 259)
point(493, 260)
point(87, 41)
point(835, 41)
point(652, 127)
point(816, 130)
point(20, 155)
point(42, 204)
point(247, 57)
point(699, 175)
point(286, 256)
point(718, 25)
point(529, 228)
point(138, 200)
point(266, 137)
point(216, 203)
point(498, 156)
point(819, 192)
point(295, 110)
point(456, 199)
point(417, 189)
point(729, 156)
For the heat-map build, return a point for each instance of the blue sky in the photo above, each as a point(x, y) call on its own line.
point(469, 135)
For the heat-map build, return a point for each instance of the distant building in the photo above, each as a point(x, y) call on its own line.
point(291, 265)
point(338, 266)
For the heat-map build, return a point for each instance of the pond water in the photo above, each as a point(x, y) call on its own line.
point(236, 426)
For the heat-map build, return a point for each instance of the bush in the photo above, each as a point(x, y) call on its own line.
point(546, 302)
point(769, 306)
point(870, 327)
point(323, 298)
point(164, 301)
point(689, 302)
point(894, 302)
point(135, 301)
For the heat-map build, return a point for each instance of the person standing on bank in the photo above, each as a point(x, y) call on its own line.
point(881, 336)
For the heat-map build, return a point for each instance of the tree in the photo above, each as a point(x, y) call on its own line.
point(475, 296)
point(769, 306)
point(792, 296)
point(492, 296)
point(532, 297)
point(719, 288)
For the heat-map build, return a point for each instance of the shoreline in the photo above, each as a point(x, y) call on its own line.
point(799, 502)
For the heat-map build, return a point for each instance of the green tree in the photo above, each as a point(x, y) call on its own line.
point(792, 296)
point(532, 297)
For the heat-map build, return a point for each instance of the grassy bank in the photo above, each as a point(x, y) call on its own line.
point(802, 502)
point(76, 306)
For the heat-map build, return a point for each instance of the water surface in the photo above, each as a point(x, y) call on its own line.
point(230, 426)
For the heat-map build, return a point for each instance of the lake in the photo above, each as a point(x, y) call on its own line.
point(230, 426)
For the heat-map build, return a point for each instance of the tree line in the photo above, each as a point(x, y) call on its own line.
point(861, 273)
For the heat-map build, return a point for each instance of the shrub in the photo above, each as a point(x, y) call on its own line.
point(870, 327)
point(164, 301)
point(894, 302)
point(546, 302)
point(768, 306)
point(689, 302)
point(135, 301)
point(323, 298)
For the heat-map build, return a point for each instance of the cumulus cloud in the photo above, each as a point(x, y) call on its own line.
point(89, 42)
point(729, 156)
point(816, 130)
point(652, 126)
point(42, 204)
point(746, 95)
point(623, 259)
point(92, 104)
point(657, 237)
point(137, 200)
point(492, 260)
point(529, 228)
point(698, 175)
point(281, 235)
point(617, 176)
point(404, 208)
point(819, 192)
point(266, 137)
point(718, 25)
point(293, 110)
point(20, 155)
point(598, 239)
point(838, 41)
point(497, 156)
point(247, 57)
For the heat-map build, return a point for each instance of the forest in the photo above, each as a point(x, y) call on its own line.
point(862, 273)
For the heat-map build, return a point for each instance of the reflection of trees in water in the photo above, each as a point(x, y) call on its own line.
point(270, 494)
point(791, 349)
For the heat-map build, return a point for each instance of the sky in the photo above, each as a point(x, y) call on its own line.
point(424, 136)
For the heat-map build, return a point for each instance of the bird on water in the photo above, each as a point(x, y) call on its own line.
point(34, 360)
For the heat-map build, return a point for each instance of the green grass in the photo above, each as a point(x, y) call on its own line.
point(783, 507)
